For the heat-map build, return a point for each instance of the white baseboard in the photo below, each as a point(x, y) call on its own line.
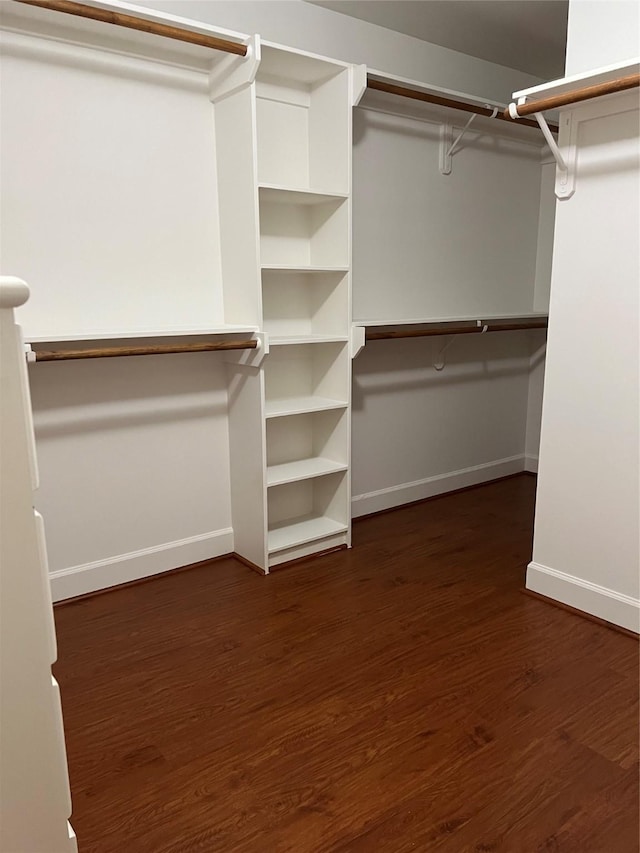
point(78, 580)
point(531, 464)
point(437, 485)
point(589, 597)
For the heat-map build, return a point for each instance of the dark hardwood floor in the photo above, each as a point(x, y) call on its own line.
point(401, 696)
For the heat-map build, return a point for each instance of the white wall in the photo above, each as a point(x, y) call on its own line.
point(586, 531)
point(601, 32)
point(134, 467)
point(419, 432)
point(428, 245)
point(134, 456)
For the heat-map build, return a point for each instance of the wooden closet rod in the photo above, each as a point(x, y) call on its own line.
point(163, 349)
point(120, 20)
point(427, 97)
point(373, 334)
point(620, 84)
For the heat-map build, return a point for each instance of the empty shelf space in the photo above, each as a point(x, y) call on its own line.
point(302, 307)
point(287, 534)
point(297, 66)
point(282, 406)
point(303, 469)
point(307, 378)
point(274, 194)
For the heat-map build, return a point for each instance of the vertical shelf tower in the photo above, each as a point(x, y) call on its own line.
point(283, 148)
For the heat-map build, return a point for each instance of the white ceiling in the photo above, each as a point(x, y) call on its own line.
point(528, 35)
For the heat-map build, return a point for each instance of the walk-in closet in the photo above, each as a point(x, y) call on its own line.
point(258, 286)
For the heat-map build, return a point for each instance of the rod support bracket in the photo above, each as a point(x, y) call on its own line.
point(439, 360)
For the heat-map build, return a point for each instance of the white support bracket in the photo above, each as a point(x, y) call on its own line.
point(439, 360)
point(250, 357)
point(447, 147)
point(358, 340)
point(29, 353)
point(562, 169)
point(446, 136)
point(565, 160)
point(233, 73)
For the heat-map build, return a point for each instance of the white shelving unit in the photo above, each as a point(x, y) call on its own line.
point(289, 413)
point(303, 136)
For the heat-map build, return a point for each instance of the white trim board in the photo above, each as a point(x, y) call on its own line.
point(102, 574)
point(531, 464)
point(589, 597)
point(439, 484)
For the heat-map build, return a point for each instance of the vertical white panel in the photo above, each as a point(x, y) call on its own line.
point(588, 512)
point(247, 453)
point(34, 805)
point(329, 144)
point(237, 193)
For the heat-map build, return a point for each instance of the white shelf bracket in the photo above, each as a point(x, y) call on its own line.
point(553, 145)
point(446, 135)
point(565, 161)
point(439, 359)
point(233, 73)
point(448, 148)
point(358, 340)
point(29, 353)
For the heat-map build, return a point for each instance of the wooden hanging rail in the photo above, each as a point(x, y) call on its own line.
point(375, 333)
point(143, 25)
point(620, 84)
point(162, 349)
point(428, 97)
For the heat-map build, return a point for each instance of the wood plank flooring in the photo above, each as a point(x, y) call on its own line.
point(402, 696)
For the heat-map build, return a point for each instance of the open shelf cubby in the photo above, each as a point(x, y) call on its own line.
point(302, 119)
point(301, 447)
point(298, 304)
point(306, 377)
point(303, 229)
point(307, 510)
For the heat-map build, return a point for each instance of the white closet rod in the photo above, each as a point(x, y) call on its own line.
point(143, 25)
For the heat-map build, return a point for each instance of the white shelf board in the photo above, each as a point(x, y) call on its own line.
point(303, 469)
point(292, 268)
point(450, 94)
point(291, 63)
point(114, 335)
point(288, 340)
point(420, 321)
point(284, 406)
point(297, 531)
point(277, 194)
point(68, 28)
point(577, 81)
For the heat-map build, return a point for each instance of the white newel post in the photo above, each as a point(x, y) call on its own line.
point(34, 787)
